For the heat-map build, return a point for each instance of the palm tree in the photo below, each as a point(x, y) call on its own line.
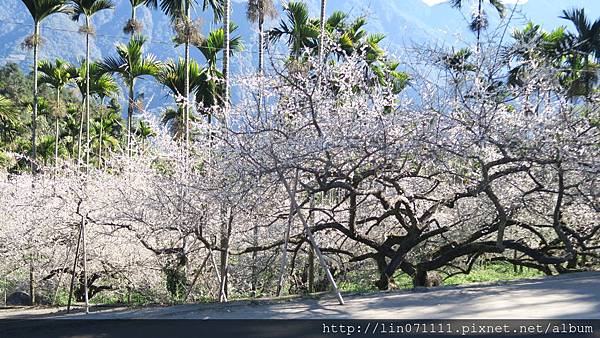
point(88, 8)
point(7, 110)
point(322, 30)
point(211, 92)
point(480, 21)
point(257, 11)
point(144, 132)
point(80, 76)
point(39, 10)
point(300, 31)
point(179, 11)
point(133, 26)
point(226, 51)
point(131, 64)
point(105, 87)
point(56, 75)
point(172, 75)
point(584, 46)
point(108, 128)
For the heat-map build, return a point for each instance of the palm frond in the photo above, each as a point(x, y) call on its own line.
point(55, 74)
point(214, 44)
point(8, 112)
point(259, 10)
point(172, 76)
point(88, 8)
point(40, 9)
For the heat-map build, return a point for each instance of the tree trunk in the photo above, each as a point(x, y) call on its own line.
point(56, 120)
point(196, 275)
point(133, 10)
point(87, 93)
point(60, 276)
point(286, 240)
point(35, 100)
point(225, 236)
point(420, 278)
point(186, 117)
point(261, 62)
point(479, 18)
point(311, 251)
point(73, 273)
point(322, 31)
point(226, 52)
point(101, 136)
point(254, 283)
point(312, 239)
point(84, 257)
point(130, 118)
point(80, 136)
point(31, 282)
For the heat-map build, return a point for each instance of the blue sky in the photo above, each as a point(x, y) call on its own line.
point(435, 2)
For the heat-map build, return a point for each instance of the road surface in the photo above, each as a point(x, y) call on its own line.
point(574, 296)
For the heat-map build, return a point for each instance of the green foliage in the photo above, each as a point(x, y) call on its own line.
point(214, 44)
point(88, 8)
point(299, 30)
point(172, 75)
point(40, 9)
point(130, 61)
point(176, 282)
point(493, 272)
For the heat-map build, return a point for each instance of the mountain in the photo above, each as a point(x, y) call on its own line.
point(405, 22)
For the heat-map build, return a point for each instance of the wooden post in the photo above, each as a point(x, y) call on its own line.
point(31, 282)
point(286, 241)
point(254, 282)
point(312, 239)
point(84, 257)
point(196, 275)
point(225, 235)
point(311, 252)
point(60, 275)
point(73, 272)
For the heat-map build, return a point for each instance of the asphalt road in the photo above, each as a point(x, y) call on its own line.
point(574, 296)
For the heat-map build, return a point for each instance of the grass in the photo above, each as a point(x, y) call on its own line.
point(493, 272)
point(356, 283)
point(490, 272)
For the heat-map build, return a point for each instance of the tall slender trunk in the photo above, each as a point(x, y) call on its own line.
point(312, 240)
point(226, 52)
point(80, 133)
point(84, 258)
point(131, 94)
point(35, 99)
point(479, 18)
point(225, 237)
point(31, 282)
point(261, 61)
point(101, 136)
point(186, 117)
point(130, 117)
point(73, 274)
point(133, 10)
point(34, 167)
point(322, 31)
point(56, 120)
point(286, 240)
point(254, 283)
point(226, 230)
point(311, 251)
point(60, 275)
point(261, 45)
point(87, 93)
